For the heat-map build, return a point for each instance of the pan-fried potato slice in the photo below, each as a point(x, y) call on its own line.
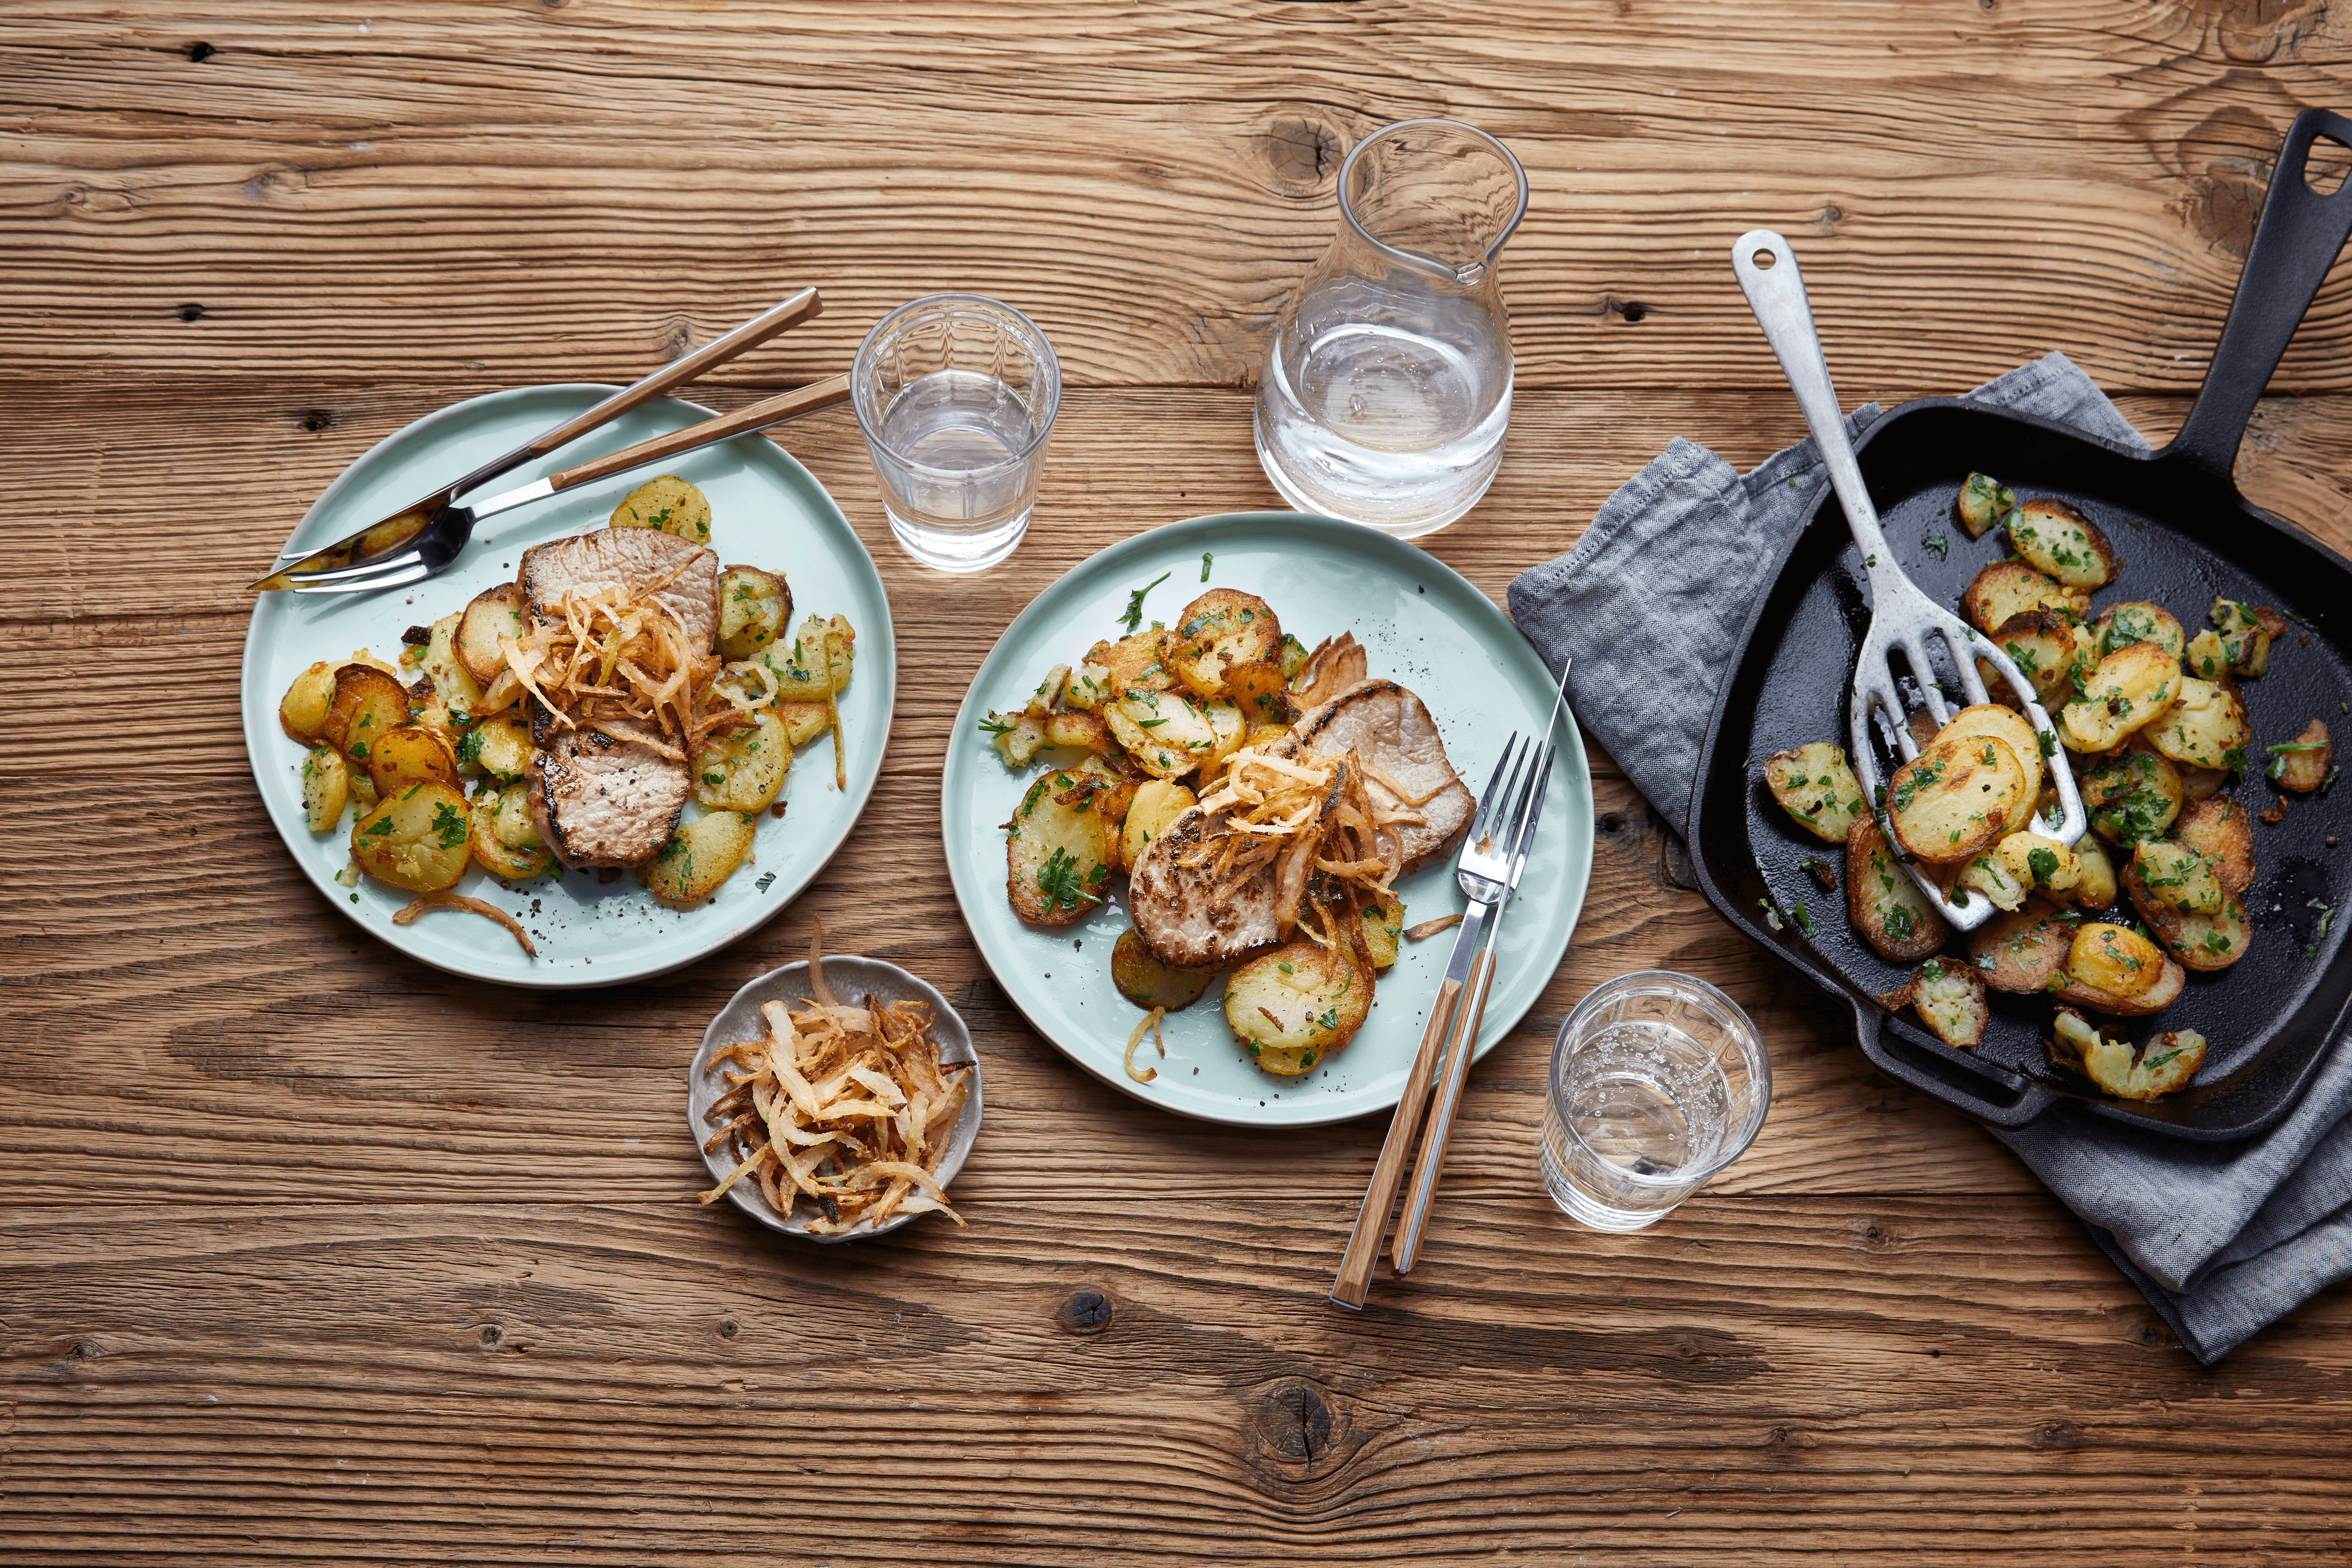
point(1109, 793)
point(743, 771)
point(409, 754)
point(753, 608)
point(2131, 796)
point(415, 838)
point(2011, 729)
point(500, 745)
point(2137, 621)
point(2202, 783)
point(1885, 905)
point(1079, 731)
point(326, 787)
point(816, 664)
point(2170, 1059)
point(454, 685)
point(1088, 688)
point(2113, 958)
point(668, 503)
point(1982, 502)
point(700, 856)
point(803, 722)
point(2039, 862)
point(1156, 804)
point(367, 705)
point(1383, 925)
point(1168, 734)
point(2206, 943)
point(2056, 538)
point(1149, 983)
point(302, 711)
point(2048, 649)
point(2218, 829)
point(1140, 659)
point(1222, 628)
point(2098, 887)
point(2244, 632)
point(493, 821)
point(492, 615)
point(1016, 736)
point(2023, 952)
point(1956, 798)
point(1057, 856)
point(2077, 992)
point(2004, 589)
point(1297, 1005)
point(1988, 873)
point(2131, 687)
point(1950, 997)
point(2203, 726)
point(2175, 874)
point(1262, 692)
point(2301, 764)
point(1815, 785)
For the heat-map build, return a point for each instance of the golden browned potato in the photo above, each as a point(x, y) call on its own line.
point(2243, 633)
point(2039, 862)
point(2022, 952)
point(1140, 659)
point(2056, 538)
point(2011, 729)
point(302, 711)
point(2170, 1059)
point(2114, 958)
point(743, 771)
point(2131, 686)
point(2205, 943)
point(1149, 983)
point(2137, 621)
point(492, 616)
point(2004, 589)
point(2098, 887)
point(2078, 992)
point(668, 503)
point(1816, 786)
point(415, 840)
point(1383, 925)
point(1168, 734)
point(1987, 872)
point(1088, 688)
point(1262, 692)
point(1982, 502)
point(1885, 905)
point(803, 722)
point(501, 746)
point(1057, 856)
point(700, 856)
point(326, 787)
point(1079, 731)
point(454, 687)
point(813, 666)
point(2175, 874)
point(2131, 796)
point(2219, 829)
point(2047, 647)
point(367, 705)
point(1956, 798)
point(1222, 628)
point(407, 755)
point(2203, 726)
point(504, 840)
point(1156, 804)
point(2304, 763)
point(1297, 1005)
point(1950, 997)
point(753, 608)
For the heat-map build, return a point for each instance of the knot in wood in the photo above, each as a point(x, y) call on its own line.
point(1871, 1236)
point(200, 53)
point(727, 1328)
point(2059, 1437)
point(491, 1333)
point(1296, 1424)
point(315, 419)
point(1300, 152)
point(1083, 1312)
point(191, 312)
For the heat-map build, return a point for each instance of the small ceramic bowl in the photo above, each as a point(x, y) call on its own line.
point(851, 979)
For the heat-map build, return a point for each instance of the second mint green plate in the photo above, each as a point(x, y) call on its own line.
point(1424, 626)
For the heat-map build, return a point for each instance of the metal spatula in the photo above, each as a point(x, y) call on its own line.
point(1901, 617)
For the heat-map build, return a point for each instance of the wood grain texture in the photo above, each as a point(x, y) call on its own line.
point(310, 1254)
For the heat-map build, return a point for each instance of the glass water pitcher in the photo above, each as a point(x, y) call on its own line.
point(1387, 388)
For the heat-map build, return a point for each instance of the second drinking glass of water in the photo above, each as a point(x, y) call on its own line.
point(956, 395)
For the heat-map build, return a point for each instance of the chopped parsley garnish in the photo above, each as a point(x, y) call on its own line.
point(450, 824)
point(1205, 559)
point(767, 881)
point(1059, 881)
point(993, 724)
point(1940, 545)
point(1771, 915)
point(469, 750)
point(384, 825)
point(1804, 921)
point(2043, 864)
point(1133, 619)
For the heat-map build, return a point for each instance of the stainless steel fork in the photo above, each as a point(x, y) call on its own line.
point(1900, 615)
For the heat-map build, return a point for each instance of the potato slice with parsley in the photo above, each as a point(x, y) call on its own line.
point(2048, 649)
point(1982, 502)
point(1167, 734)
point(408, 753)
point(2098, 886)
point(1950, 997)
point(2023, 952)
point(699, 857)
point(2220, 830)
point(367, 704)
point(1383, 925)
point(1149, 983)
point(2131, 796)
point(489, 618)
point(1297, 1005)
point(2206, 943)
point(2121, 625)
point(2004, 589)
point(1057, 854)
point(2243, 633)
point(2114, 958)
point(415, 838)
point(745, 769)
point(505, 841)
point(1815, 785)
point(2039, 862)
point(326, 787)
point(1988, 873)
point(2012, 730)
point(1885, 905)
point(1156, 805)
point(2077, 992)
point(1956, 798)
point(2168, 1064)
point(454, 685)
point(2131, 687)
point(1219, 631)
point(754, 607)
point(2055, 539)
point(2205, 727)
point(500, 745)
point(2304, 763)
point(668, 503)
point(2175, 874)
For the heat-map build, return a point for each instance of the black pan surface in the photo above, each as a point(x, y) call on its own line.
point(2185, 536)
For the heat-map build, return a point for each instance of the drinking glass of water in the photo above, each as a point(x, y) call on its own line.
point(956, 395)
point(1387, 386)
point(1658, 1081)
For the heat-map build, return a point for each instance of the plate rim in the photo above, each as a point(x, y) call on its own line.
point(1138, 544)
point(256, 731)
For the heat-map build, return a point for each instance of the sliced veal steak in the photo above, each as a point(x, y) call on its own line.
point(601, 799)
point(1189, 923)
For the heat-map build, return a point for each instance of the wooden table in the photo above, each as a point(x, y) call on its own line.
point(313, 1253)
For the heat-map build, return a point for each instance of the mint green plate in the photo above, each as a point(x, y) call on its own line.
point(1424, 626)
point(766, 511)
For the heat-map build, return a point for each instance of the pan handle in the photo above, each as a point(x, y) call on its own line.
point(2294, 245)
point(1964, 1088)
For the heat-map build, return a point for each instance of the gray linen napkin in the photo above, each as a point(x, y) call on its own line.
point(2222, 1238)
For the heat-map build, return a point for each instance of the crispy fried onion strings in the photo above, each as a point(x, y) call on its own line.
point(617, 661)
point(1316, 820)
point(1150, 1020)
point(849, 1107)
point(447, 900)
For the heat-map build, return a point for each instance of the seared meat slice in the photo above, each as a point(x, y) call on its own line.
point(600, 799)
point(1189, 923)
